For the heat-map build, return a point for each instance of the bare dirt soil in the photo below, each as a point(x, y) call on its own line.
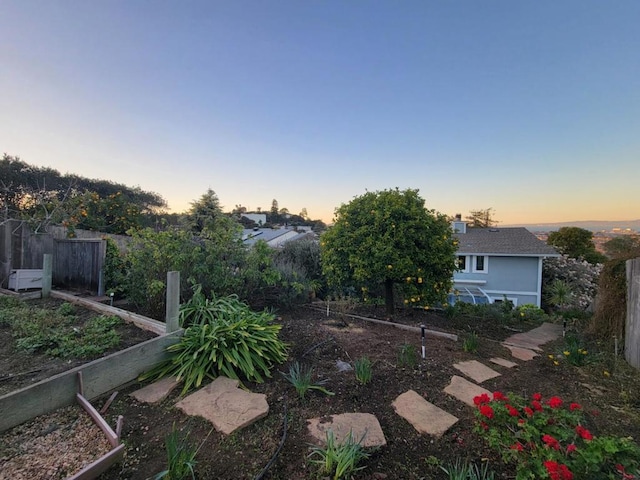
point(320, 341)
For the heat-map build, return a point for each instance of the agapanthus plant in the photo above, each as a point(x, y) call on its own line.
point(548, 438)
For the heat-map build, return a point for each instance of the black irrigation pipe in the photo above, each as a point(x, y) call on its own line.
point(277, 452)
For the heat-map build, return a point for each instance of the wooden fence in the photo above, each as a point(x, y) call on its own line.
point(77, 263)
point(632, 328)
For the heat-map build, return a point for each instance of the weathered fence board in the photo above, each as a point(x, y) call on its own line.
point(632, 327)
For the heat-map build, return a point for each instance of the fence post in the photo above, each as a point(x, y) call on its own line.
point(173, 301)
point(47, 272)
point(632, 328)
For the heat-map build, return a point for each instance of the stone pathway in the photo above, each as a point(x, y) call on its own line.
point(229, 408)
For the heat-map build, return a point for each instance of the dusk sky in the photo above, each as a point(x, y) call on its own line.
point(529, 107)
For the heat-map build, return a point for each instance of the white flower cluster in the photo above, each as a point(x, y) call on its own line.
point(579, 274)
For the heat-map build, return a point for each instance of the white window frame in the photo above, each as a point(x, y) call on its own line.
point(475, 263)
point(466, 263)
point(513, 300)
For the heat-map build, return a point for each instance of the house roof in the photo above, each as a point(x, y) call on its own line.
point(251, 236)
point(516, 241)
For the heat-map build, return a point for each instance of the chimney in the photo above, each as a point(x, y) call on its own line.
point(458, 225)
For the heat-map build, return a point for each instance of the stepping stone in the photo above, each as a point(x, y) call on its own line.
point(475, 370)
point(520, 353)
point(532, 339)
point(464, 390)
point(424, 416)
point(361, 425)
point(503, 362)
point(226, 406)
point(156, 391)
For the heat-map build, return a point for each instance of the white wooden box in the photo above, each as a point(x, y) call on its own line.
point(25, 279)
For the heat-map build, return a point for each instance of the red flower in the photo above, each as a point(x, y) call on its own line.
point(555, 402)
point(517, 446)
point(499, 396)
point(521, 421)
point(571, 448)
point(512, 411)
point(625, 475)
point(481, 399)
point(537, 397)
point(584, 433)
point(551, 442)
point(574, 406)
point(558, 471)
point(536, 406)
point(528, 411)
point(487, 411)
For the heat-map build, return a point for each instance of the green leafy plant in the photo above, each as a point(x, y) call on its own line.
point(363, 369)
point(574, 352)
point(463, 470)
point(181, 456)
point(471, 343)
point(234, 341)
point(548, 439)
point(407, 355)
point(300, 377)
point(66, 309)
point(339, 460)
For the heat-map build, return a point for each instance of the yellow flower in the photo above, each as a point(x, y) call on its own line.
point(551, 356)
point(389, 267)
point(584, 352)
point(555, 362)
point(406, 301)
point(606, 373)
point(419, 279)
point(522, 314)
point(426, 307)
point(566, 353)
point(408, 279)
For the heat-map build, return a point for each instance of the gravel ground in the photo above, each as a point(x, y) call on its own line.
point(53, 446)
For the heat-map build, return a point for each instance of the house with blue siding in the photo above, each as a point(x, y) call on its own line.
point(495, 264)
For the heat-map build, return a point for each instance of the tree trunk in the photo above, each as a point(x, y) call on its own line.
point(388, 296)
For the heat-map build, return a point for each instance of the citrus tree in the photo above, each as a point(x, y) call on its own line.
point(388, 238)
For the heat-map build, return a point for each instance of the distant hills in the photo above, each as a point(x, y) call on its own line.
point(592, 225)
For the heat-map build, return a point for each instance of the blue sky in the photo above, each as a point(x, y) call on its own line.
point(529, 107)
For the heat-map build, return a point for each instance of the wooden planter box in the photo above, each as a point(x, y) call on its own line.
point(25, 279)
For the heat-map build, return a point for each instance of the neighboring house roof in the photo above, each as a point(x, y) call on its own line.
point(516, 241)
point(273, 236)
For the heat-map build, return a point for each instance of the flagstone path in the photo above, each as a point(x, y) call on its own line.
point(229, 408)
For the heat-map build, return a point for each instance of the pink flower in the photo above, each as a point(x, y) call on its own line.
point(555, 402)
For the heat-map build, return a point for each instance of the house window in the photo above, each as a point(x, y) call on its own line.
point(462, 263)
point(481, 264)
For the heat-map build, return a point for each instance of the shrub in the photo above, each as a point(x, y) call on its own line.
point(548, 439)
point(579, 275)
point(236, 342)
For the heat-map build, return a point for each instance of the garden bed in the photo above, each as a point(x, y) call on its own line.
point(20, 368)
point(606, 387)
